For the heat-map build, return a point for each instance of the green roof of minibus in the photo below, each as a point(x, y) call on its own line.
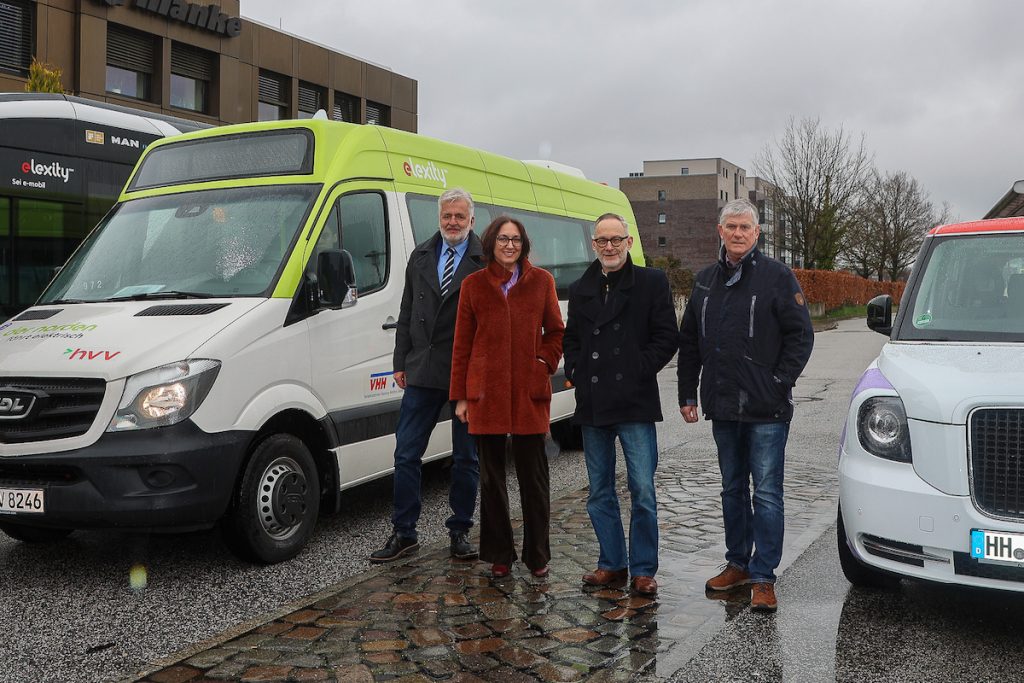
point(420, 164)
point(417, 164)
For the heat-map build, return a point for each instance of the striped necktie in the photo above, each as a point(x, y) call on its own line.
point(449, 272)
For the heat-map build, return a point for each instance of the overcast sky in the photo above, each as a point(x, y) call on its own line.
point(934, 86)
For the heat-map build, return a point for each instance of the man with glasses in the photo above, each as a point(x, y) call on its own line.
point(746, 336)
point(422, 367)
point(620, 331)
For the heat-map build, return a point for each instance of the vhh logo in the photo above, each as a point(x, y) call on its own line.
point(379, 381)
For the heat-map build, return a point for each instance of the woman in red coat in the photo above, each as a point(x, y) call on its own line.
point(508, 341)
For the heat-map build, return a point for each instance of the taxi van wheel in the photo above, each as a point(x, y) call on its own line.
point(856, 572)
point(274, 510)
point(568, 435)
point(33, 534)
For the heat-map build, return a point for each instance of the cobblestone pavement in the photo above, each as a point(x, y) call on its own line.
point(433, 618)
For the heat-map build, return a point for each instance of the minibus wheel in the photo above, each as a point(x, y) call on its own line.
point(856, 572)
point(33, 534)
point(275, 508)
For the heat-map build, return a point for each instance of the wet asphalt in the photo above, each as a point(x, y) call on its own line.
point(72, 615)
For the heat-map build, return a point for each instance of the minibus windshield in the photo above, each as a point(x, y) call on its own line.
point(210, 243)
point(971, 289)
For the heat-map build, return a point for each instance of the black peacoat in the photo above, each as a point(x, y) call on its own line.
point(426, 323)
point(614, 350)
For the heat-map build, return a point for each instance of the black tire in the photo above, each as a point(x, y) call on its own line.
point(274, 510)
point(34, 534)
point(856, 572)
point(568, 435)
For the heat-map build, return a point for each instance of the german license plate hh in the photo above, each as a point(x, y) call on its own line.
point(997, 546)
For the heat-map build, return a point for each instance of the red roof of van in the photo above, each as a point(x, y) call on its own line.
point(992, 225)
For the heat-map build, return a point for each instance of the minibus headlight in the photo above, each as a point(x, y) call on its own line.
point(882, 428)
point(165, 395)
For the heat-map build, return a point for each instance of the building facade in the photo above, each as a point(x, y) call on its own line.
point(677, 202)
point(199, 61)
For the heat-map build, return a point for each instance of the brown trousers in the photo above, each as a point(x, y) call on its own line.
point(497, 544)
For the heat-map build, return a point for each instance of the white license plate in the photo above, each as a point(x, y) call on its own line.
point(21, 501)
point(997, 546)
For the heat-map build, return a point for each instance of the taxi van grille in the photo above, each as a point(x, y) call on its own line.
point(997, 461)
point(67, 408)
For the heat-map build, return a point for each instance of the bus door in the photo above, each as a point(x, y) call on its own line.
point(351, 348)
point(36, 236)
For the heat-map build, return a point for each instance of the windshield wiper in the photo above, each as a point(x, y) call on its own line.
point(61, 302)
point(162, 294)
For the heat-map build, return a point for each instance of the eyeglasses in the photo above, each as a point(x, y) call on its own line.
point(602, 242)
point(505, 239)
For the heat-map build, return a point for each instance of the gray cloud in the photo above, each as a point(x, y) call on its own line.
point(604, 85)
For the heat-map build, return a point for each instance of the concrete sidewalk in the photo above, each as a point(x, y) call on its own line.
point(432, 618)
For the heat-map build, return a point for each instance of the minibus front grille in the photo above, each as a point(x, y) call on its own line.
point(996, 438)
point(67, 407)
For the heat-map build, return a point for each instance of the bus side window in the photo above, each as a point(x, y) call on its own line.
point(364, 234)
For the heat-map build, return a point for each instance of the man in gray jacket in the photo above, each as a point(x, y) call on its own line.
point(422, 367)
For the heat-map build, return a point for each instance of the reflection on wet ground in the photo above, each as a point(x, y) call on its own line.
point(827, 631)
point(434, 618)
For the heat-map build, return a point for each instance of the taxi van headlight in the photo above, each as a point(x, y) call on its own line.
point(165, 395)
point(882, 428)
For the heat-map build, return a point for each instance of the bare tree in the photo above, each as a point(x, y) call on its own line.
point(862, 251)
point(897, 215)
point(818, 180)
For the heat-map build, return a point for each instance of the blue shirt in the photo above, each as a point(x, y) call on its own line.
point(442, 256)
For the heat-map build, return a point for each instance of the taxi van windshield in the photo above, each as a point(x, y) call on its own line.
point(971, 289)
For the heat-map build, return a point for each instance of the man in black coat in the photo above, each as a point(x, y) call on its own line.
point(422, 367)
point(746, 336)
point(621, 330)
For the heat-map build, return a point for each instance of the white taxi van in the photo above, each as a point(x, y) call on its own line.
point(219, 348)
point(931, 467)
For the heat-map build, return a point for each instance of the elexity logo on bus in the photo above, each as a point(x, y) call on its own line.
point(207, 17)
point(52, 170)
point(428, 171)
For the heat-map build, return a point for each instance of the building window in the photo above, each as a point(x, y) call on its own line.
point(727, 195)
point(684, 171)
point(378, 114)
point(662, 242)
point(346, 107)
point(131, 62)
point(312, 98)
point(661, 218)
point(274, 96)
point(661, 195)
point(16, 31)
point(192, 72)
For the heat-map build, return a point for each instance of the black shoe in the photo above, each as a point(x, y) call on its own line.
point(461, 548)
point(396, 547)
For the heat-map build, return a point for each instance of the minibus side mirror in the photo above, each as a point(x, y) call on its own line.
point(880, 314)
point(336, 279)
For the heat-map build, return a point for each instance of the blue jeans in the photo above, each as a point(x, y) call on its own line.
point(752, 451)
point(421, 407)
point(640, 447)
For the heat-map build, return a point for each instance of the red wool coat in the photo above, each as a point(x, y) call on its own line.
point(498, 341)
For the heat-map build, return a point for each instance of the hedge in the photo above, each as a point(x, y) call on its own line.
point(835, 289)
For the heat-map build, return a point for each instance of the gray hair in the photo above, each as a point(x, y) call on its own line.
point(453, 195)
point(608, 217)
point(738, 207)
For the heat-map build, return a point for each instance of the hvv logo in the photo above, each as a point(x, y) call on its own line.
point(85, 354)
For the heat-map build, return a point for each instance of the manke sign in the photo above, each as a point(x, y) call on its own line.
point(207, 17)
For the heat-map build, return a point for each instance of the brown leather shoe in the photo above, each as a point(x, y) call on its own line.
point(645, 585)
point(730, 577)
point(606, 577)
point(762, 598)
